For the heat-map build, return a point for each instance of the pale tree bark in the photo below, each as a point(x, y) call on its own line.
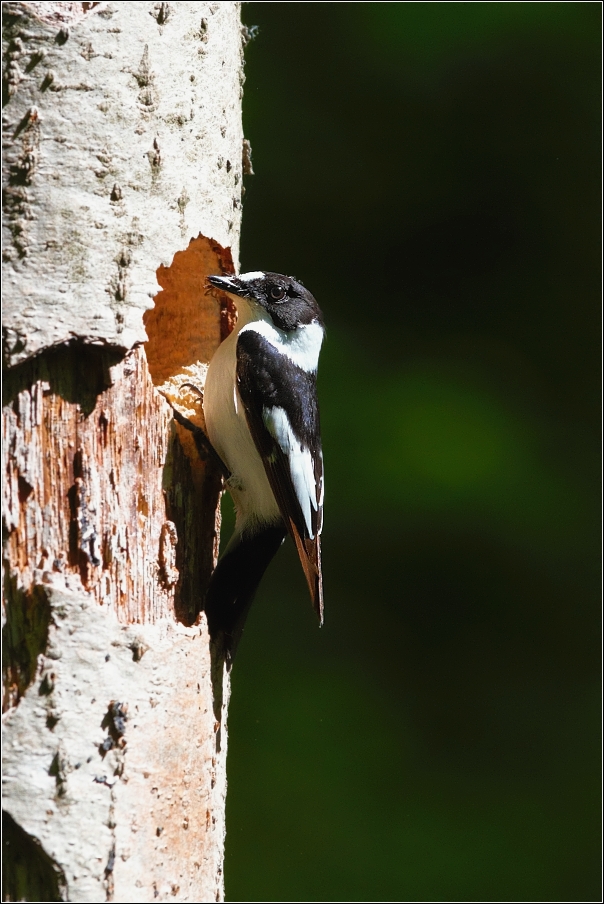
point(122, 176)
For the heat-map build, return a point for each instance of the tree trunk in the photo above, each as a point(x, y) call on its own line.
point(122, 177)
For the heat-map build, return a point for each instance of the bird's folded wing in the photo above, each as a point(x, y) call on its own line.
point(281, 411)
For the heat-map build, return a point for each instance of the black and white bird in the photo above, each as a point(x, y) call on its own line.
point(262, 418)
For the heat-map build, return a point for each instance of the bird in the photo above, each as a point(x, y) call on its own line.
point(262, 419)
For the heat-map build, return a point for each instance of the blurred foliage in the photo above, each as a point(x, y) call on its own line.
point(431, 172)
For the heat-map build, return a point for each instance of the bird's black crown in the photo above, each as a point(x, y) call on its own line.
point(289, 303)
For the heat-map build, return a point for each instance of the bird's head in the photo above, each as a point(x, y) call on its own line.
point(284, 298)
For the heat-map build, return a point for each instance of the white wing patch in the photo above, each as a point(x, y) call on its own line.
point(301, 465)
point(322, 490)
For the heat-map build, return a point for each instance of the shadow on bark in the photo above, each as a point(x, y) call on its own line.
point(28, 873)
point(77, 372)
point(24, 637)
point(191, 504)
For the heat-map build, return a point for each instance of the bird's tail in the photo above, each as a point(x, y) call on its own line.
point(235, 581)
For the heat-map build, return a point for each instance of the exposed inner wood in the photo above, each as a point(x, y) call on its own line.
point(101, 487)
point(183, 328)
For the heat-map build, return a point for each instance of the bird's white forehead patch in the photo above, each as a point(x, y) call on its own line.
point(253, 274)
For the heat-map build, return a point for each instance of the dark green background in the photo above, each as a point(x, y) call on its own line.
point(431, 172)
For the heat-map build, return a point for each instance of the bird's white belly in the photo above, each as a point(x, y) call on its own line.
point(229, 433)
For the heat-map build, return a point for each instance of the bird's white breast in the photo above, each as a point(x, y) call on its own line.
point(229, 433)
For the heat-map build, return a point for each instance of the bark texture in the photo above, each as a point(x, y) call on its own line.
point(122, 177)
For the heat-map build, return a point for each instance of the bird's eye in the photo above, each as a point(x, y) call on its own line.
point(277, 293)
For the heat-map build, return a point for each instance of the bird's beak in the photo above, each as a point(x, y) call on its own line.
point(227, 284)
